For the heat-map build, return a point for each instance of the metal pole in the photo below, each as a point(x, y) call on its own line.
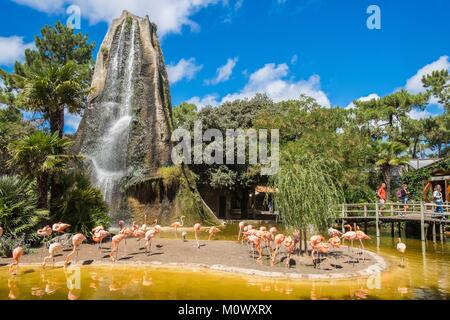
point(377, 218)
point(422, 221)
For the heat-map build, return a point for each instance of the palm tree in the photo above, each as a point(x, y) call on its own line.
point(49, 88)
point(389, 154)
point(39, 155)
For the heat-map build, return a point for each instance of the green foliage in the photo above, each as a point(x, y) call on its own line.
point(19, 216)
point(81, 205)
point(438, 85)
point(170, 176)
point(184, 116)
point(306, 194)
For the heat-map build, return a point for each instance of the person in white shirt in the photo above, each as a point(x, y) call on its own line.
point(437, 197)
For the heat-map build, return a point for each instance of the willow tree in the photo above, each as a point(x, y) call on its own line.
point(307, 195)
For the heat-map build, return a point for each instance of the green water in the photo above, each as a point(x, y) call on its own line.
point(425, 276)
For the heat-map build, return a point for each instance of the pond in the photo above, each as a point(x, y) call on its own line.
point(425, 276)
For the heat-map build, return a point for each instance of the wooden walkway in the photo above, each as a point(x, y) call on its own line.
point(419, 212)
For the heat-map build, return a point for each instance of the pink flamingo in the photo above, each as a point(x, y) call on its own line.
point(177, 225)
point(127, 232)
point(139, 234)
point(54, 249)
point(77, 240)
point(197, 227)
point(401, 248)
point(319, 248)
point(98, 235)
point(16, 255)
point(335, 243)
point(267, 237)
point(289, 245)
point(278, 240)
point(149, 235)
point(241, 227)
point(256, 245)
point(212, 232)
point(45, 232)
point(60, 227)
point(349, 235)
point(334, 232)
point(361, 236)
point(115, 241)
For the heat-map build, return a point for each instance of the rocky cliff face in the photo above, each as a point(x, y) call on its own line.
point(125, 130)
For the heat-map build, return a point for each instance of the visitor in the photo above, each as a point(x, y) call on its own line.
point(402, 195)
point(381, 194)
point(437, 197)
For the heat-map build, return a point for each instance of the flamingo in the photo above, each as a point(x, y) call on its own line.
point(267, 237)
point(197, 227)
point(361, 236)
point(115, 241)
point(273, 231)
point(54, 249)
point(177, 225)
point(401, 248)
point(334, 232)
point(289, 243)
point(278, 240)
point(349, 235)
point(316, 239)
point(144, 225)
point(296, 238)
point(45, 232)
point(139, 234)
point(16, 255)
point(99, 235)
point(126, 231)
point(335, 243)
point(212, 232)
point(60, 227)
point(241, 227)
point(256, 245)
point(77, 240)
point(319, 248)
point(149, 235)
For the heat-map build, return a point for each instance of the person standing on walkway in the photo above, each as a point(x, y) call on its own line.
point(403, 197)
point(437, 197)
point(382, 196)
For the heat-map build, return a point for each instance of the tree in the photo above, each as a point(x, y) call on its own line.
point(438, 85)
point(436, 132)
point(306, 194)
point(389, 154)
point(184, 115)
point(49, 88)
point(55, 75)
point(38, 156)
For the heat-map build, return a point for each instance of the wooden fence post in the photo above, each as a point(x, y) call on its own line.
point(365, 211)
point(377, 218)
point(343, 216)
point(422, 221)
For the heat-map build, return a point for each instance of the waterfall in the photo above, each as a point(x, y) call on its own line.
point(109, 156)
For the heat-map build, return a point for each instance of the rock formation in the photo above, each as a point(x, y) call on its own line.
point(124, 134)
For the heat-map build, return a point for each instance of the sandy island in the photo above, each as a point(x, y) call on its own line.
point(223, 256)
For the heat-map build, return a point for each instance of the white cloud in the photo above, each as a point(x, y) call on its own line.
point(224, 72)
point(414, 84)
point(420, 114)
point(270, 80)
point(169, 15)
point(184, 69)
point(208, 100)
point(294, 59)
point(12, 49)
point(371, 96)
point(72, 121)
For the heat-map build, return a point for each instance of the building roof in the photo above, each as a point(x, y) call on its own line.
point(421, 163)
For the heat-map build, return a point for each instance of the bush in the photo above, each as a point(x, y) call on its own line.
point(81, 205)
point(19, 216)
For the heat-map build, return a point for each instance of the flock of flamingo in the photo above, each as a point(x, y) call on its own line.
point(255, 238)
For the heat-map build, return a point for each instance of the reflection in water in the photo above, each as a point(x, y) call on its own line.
point(424, 276)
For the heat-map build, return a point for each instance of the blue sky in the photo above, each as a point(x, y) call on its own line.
point(217, 50)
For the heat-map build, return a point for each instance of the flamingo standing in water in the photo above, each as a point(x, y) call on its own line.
point(197, 227)
point(16, 255)
point(127, 232)
point(77, 240)
point(54, 249)
point(60, 227)
point(241, 227)
point(349, 235)
point(149, 235)
point(177, 225)
point(278, 240)
point(401, 247)
point(212, 232)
